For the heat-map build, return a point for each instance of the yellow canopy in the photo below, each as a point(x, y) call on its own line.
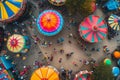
point(16, 43)
point(57, 2)
point(45, 73)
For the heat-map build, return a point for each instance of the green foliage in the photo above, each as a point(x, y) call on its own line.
point(82, 6)
point(103, 72)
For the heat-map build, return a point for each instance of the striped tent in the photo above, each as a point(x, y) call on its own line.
point(11, 9)
point(114, 22)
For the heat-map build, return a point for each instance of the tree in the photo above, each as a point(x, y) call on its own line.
point(83, 7)
point(102, 72)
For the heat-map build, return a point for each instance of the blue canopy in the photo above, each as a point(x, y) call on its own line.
point(112, 5)
point(7, 63)
point(115, 71)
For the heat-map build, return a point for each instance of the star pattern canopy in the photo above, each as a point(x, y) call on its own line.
point(45, 73)
point(93, 29)
point(57, 2)
point(114, 22)
point(16, 43)
point(50, 22)
point(11, 9)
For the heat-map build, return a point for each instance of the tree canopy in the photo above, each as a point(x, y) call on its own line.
point(83, 7)
point(103, 72)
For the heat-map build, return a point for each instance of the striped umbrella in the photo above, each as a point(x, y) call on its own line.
point(45, 73)
point(50, 22)
point(93, 29)
point(57, 2)
point(10, 9)
point(16, 43)
point(114, 22)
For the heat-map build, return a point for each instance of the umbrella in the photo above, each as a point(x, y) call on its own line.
point(50, 22)
point(57, 2)
point(115, 71)
point(116, 54)
point(15, 43)
point(114, 22)
point(107, 61)
point(93, 29)
point(10, 9)
point(45, 73)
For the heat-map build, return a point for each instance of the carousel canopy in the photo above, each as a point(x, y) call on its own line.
point(93, 29)
point(57, 2)
point(10, 8)
point(115, 71)
point(107, 61)
point(83, 75)
point(45, 73)
point(114, 22)
point(16, 43)
point(50, 22)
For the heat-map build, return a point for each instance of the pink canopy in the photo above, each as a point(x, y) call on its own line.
point(93, 29)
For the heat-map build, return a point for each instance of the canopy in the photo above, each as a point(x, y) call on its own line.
point(7, 63)
point(57, 2)
point(115, 71)
point(93, 29)
point(114, 22)
point(83, 75)
point(50, 22)
point(112, 5)
point(107, 61)
point(116, 54)
point(16, 43)
point(45, 73)
point(10, 9)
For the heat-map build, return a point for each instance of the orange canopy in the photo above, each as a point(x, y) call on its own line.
point(116, 54)
point(45, 73)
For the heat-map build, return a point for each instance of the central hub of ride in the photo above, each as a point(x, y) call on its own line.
point(95, 28)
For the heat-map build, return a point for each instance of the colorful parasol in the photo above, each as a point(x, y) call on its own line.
point(115, 71)
point(16, 43)
point(83, 75)
point(116, 54)
point(114, 22)
point(50, 22)
point(107, 62)
point(57, 2)
point(45, 73)
point(11, 9)
point(93, 29)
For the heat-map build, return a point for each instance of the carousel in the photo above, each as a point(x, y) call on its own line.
point(114, 22)
point(17, 44)
point(93, 29)
point(45, 73)
point(57, 2)
point(11, 10)
point(83, 75)
point(50, 22)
